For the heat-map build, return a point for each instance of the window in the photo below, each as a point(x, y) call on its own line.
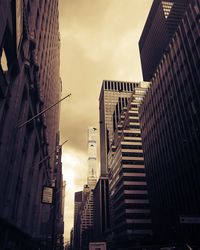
point(4, 63)
point(109, 85)
point(115, 85)
point(19, 22)
point(106, 87)
point(167, 6)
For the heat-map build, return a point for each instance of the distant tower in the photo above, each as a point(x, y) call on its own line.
point(92, 157)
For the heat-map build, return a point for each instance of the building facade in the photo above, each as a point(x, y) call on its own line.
point(43, 19)
point(109, 95)
point(57, 211)
point(86, 225)
point(83, 218)
point(130, 207)
point(29, 51)
point(78, 199)
point(165, 17)
point(101, 210)
point(170, 128)
point(110, 92)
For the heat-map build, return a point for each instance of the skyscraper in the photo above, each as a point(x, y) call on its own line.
point(130, 207)
point(29, 82)
point(86, 216)
point(83, 218)
point(101, 210)
point(110, 92)
point(170, 128)
point(43, 25)
point(83, 209)
point(92, 157)
point(109, 95)
point(78, 199)
point(160, 26)
point(59, 196)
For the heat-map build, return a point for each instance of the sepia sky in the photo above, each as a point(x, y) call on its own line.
point(99, 40)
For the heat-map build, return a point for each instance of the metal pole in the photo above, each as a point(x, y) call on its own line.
point(48, 156)
point(63, 143)
point(43, 111)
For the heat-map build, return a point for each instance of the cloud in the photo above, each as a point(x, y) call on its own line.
point(99, 40)
point(74, 172)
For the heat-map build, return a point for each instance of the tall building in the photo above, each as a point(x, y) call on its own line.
point(71, 239)
point(43, 18)
point(101, 210)
point(57, 210)
point(83, 218)
point(92, 157)
point(110, 92)
point(86, 225)
point(77, 204)
point(29, 82)
point(170, 128)
point(109, 95)
point(83, 209)
point(78, 199)
point(86, 210)
point(130, 207)
point(162, 22)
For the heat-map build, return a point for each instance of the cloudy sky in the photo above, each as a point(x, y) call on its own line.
point(99, 40)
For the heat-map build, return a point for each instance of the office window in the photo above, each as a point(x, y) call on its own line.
point(4, 63)
point(106, 87)
point(115, 85)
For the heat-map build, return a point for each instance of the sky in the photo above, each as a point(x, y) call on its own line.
point(99, 41)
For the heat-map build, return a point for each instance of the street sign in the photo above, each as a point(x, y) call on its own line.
point(189, 219)
point(47, 195)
